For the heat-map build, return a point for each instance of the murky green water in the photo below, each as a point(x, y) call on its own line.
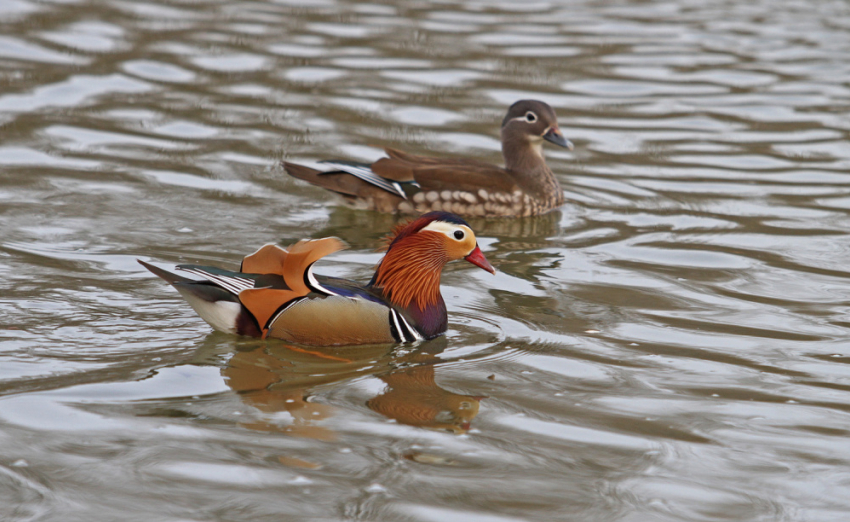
point(672, 346)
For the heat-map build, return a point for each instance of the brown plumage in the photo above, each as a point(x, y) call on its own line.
point(407, 183)
point(276, 294)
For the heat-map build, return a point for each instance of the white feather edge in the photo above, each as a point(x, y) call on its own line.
point(234, 285)
point(366, 175)
point(314, 283)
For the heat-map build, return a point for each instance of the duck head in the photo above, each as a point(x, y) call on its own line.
point(418, 251)
point(526, 125)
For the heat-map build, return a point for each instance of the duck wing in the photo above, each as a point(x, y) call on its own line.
point(438, 174)
point(395, 181)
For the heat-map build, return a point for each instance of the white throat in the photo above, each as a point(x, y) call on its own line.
point(537, 146)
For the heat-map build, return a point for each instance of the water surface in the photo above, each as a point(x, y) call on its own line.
point(671, 345)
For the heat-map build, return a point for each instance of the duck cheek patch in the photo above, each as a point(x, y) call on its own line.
point(460, 249)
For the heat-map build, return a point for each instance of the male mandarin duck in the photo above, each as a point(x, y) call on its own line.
point(276, 294)
point(406, 183)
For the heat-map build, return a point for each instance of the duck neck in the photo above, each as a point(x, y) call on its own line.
point(524, 160)
point(430, 321)
point(409, 278)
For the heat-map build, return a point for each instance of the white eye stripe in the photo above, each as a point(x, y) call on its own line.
point(524, 117)
point(448, 229)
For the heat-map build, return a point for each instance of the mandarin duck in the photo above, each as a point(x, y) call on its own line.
point(405, 183)
point(276, 294)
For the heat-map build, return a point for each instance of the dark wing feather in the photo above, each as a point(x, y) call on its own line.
point(445, 174)
point(204, 290)
point(205, 296)
point(233, 282)
point(347, 288)
point(352, 188)
point(364, 172)
point(339, 182)
point(164, 274)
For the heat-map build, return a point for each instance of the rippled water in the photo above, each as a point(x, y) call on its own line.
point(672, 345)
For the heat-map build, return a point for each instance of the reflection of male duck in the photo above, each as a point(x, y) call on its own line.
point(412, 397)
point(279, 377)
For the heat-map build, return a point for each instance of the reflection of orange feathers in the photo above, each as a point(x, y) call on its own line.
point(413, 397)
point(291, 265)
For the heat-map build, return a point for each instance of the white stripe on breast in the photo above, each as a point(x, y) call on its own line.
point(416, 335)
point(398, 329)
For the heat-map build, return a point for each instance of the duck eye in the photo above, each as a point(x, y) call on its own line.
point(530, 117)
point(458, 234)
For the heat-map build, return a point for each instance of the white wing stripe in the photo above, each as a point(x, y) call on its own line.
point(241, 281)
point(230, 283)
point(368, 176)
point(236, 282)
point(225, 283)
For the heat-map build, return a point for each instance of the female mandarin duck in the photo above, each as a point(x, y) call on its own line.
point(276, 294)
point(407, 183)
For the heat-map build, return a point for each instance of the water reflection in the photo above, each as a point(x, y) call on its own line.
point(367, 229)
point(279, 377)
point(671, 346)
point(413, 397)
